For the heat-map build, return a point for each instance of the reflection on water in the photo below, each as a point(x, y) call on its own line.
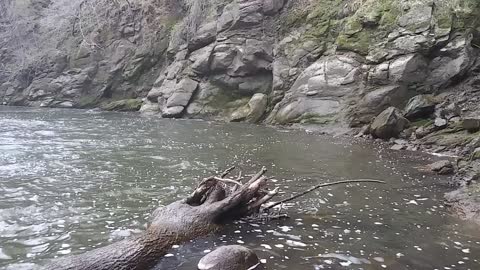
point(72, 181)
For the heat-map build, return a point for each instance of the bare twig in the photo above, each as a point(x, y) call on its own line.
point(263, 200)
point(324, 185)
point(227, 171)
point(226, 180)
point(257, 175)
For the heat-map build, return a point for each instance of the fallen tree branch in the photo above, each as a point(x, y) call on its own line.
point(210, 206)
point(324, 185)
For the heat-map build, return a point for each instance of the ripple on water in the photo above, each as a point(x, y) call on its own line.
point(45, 133)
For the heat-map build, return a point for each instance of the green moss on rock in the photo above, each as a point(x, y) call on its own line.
point(368, 26)
point(422, 123)
point(465, 15)
point(321, 16)
point(88, 102)
point(450, 140)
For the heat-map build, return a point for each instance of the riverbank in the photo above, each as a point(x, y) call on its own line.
point(449, 129)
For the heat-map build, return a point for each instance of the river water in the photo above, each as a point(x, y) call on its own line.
point(74, 180)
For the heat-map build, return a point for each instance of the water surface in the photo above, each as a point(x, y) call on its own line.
point(73, 180)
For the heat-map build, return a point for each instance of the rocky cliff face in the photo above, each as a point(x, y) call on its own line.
point(61, 53)
point(333, 63)
point(338, 62)
point(326, 62)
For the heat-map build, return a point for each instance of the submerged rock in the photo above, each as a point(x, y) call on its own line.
point(390, 123)
point(233, 257)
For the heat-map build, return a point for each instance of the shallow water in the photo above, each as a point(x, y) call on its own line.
point(73, 180)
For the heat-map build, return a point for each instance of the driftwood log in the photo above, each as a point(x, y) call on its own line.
point(216, 201)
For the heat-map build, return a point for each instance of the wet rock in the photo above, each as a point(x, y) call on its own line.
point(421, 106)
point(443, 167)
point(125, 105)
point(229, 258)
point(173, 112)
point(388, 124)
point(471, 124)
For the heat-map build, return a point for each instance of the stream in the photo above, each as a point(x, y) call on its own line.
point(75, 180)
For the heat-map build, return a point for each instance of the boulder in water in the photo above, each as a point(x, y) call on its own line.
point(232, 257)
